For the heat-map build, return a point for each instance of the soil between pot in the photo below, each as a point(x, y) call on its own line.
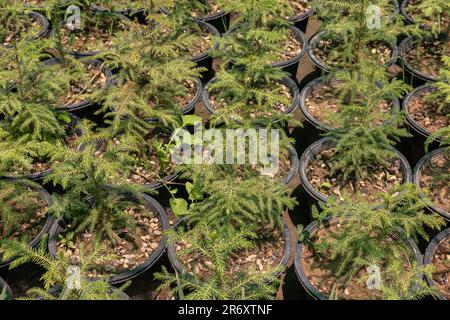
point(438, 254)
point(315, 168)
point(319, 101)
point(319, 280)
point(423, 114)
point(434, 165)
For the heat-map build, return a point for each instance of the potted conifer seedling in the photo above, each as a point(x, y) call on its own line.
point(18, 20)
point(363, 253)
point(29, 123)
point(100, 206)
point(422, 54)
point(23, 214)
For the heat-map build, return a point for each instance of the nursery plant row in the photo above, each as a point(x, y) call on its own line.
point(95, 96)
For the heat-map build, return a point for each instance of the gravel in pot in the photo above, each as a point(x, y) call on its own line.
point(291, 91)
point(303, 10)
point(77, 98)
point(215, 16)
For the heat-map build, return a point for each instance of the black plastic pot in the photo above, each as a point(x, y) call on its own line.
point(219, 20)
point(294, 166)
point(39, 176)
point(301, 21)
point(312, 228)
point(4, 288)
point(418, 172)
point(59, 225)
point(320, 67)
point(80, 109)
point(408, 17)
point(48, 223)
point(43, 22)
point(429, 254)
point(323, 144)
point(176, 264)
point(190, 107)
point(204, 59)
point(414, 146)
point(286, 81)
point(411, 75)
point(313, 128)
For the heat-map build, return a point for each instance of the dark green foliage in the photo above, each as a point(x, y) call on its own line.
point(223, 282)
point(58, 273)
point(351, 250)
